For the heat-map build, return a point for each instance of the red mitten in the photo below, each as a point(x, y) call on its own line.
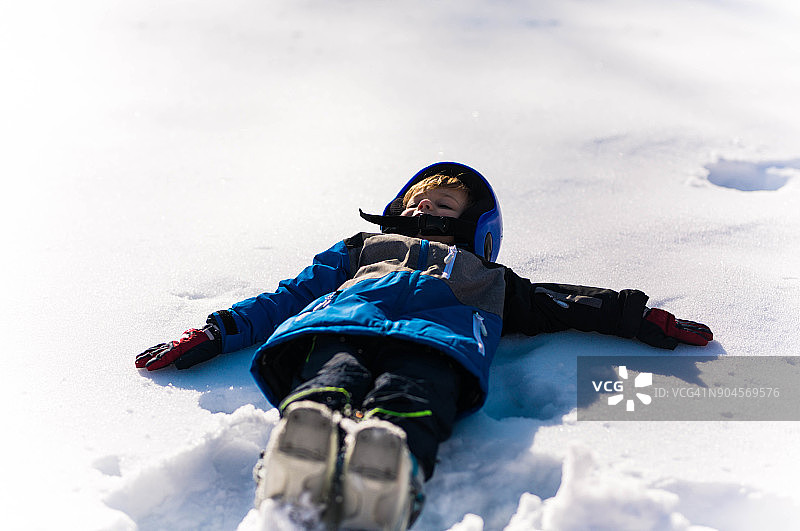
point(661, 329)
point(193, 347)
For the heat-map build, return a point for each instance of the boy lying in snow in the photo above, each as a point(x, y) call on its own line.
point(374, 350)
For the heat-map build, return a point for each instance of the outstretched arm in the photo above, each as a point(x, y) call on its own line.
point(252, 320)
point(533, 308)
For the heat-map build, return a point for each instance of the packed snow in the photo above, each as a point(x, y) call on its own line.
point(162, 160)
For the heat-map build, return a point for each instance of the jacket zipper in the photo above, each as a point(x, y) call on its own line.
point(449, 261)
point(422, 260)
point(479, 330)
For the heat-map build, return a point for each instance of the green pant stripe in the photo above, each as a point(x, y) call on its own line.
point(410, 415)
point(302, 394)
point(313, 345)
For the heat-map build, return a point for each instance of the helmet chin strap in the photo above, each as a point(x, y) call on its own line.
point(425, 225)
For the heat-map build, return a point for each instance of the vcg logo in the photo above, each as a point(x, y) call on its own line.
point(643, 379)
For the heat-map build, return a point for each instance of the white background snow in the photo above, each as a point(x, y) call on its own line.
point(164, 159)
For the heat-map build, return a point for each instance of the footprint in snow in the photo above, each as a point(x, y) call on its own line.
point(752, 176)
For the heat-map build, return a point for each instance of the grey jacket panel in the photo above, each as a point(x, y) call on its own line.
point(472, 283)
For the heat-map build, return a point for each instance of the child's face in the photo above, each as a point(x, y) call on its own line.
point(448, 202)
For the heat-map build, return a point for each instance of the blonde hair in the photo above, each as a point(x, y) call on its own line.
point(437, 181)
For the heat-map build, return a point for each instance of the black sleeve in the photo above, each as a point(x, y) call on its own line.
point(542, 307)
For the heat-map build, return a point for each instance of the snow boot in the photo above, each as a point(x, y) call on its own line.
point(381, 486)
point(300, 456)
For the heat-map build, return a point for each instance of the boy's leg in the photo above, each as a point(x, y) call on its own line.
point(417, 389)
point(301, 455)
point(409, 411)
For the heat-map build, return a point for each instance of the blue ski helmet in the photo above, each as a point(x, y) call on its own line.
point(484, 211)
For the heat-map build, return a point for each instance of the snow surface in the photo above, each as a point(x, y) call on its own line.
point(164, 159)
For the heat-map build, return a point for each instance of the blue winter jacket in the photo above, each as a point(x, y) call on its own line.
point(415, 290)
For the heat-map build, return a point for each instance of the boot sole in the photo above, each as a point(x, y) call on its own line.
point(300, 457)
point(375, 478)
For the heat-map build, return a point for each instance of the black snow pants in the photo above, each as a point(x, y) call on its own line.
point(412, 386)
